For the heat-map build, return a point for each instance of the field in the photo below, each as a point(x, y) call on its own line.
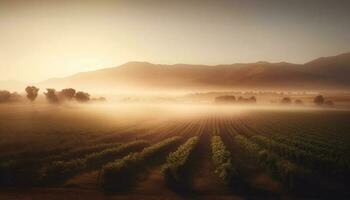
point(189, 151)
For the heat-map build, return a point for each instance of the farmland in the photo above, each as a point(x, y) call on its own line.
point(174, 152)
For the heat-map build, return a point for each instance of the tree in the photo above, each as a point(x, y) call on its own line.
point(225, 99)
point(4, 95)
point(32, 92)
point(286, 100)
point(82, 96)
point(252, 99)
point(319, 100)
point(67, 93)
point(51, 95)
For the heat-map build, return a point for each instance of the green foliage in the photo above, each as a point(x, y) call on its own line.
point(117, 175)
point(288, 172)
point(78, 152)
point(222, 160)
point(60, 170)
point(175, 168)
point(302, 144)
point(317, 161)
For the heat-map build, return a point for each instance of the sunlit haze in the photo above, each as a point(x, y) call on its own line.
point(45, 39)
point(179, 100)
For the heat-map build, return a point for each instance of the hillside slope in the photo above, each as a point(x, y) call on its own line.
point(329, 72)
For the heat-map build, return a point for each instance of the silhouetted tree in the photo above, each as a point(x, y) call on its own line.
point(319, 100)
point(286, 100)
point(225, 99)
point(51, 95)
point(240, 99)
point(4, 95)
point(298, 102)
point(252, 99)
point(329, 103)
point(82, 96)
point(67, 93)
point(32, 92)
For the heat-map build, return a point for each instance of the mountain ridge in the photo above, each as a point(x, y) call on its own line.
point(324, 72)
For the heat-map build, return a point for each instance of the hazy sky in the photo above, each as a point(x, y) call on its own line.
point(44, 39)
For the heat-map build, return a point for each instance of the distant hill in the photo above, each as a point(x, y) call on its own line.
point(328, 72)
point(336, 67)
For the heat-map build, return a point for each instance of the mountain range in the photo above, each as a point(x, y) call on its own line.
point(322, 73)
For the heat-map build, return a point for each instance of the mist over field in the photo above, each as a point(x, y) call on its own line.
point(175, 100)
point(54, 149)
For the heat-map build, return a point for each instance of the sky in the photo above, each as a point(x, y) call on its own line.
point(45, 39)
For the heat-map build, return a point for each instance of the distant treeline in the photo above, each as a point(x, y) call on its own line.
point(67, 94)
point(6, 96)
point(52, 96)
point(232, 99)
point(318, 100)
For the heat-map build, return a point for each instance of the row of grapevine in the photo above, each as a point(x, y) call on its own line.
point(310, 160)
point(44, 153)
point(117, 174)
point(312, 153)
point(222, 160)
point(79, 152)
point(288, 139)
point(285, 170)
point(60, 170)
point(310, 132)
point(26, 153)
point(175, 169)
point(302, 144)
